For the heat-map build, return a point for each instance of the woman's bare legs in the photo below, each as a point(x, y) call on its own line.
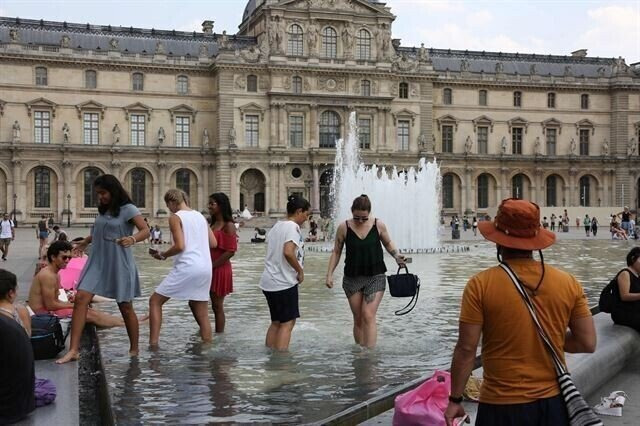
point(200, 311)
point(131, 322)
point(370, 326)
point(217, 302)
point(355, 303)
point(279, 335)
point(80, 307)
point(155, 317)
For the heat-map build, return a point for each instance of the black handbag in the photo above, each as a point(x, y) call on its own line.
point(47, 338)
point(404, 285)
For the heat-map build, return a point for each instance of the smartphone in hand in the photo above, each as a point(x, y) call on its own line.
point(153, 251)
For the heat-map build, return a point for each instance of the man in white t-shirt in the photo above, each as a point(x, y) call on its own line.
point(283, 272)
point(7, 234)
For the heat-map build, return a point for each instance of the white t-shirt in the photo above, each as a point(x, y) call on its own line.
point(6, 226)
point(278, 274)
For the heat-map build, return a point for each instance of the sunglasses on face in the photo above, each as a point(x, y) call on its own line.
point(66, 257)
point(361, 218)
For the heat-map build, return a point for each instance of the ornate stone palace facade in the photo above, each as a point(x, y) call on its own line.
point(257, 114)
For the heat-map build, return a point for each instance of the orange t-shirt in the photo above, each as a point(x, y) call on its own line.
point(517, 366)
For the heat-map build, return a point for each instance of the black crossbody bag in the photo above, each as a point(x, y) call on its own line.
point(404, 285)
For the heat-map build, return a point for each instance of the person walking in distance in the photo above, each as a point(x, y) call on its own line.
point(283, 273)
point(364, 278)
point(520, 381)
point(224, 229)
point(111, 269)
point(7, 235)
point(587, 224)
point(190, 277)
point(594, 226)
point(42, 233)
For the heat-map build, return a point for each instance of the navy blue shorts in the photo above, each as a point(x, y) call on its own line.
point(283, 304)
point(543, 412)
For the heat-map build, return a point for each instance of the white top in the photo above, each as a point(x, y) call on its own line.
point(278, 274)
point(6, 226)
point(190, 277)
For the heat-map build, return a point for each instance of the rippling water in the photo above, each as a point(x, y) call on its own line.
point(236, 379)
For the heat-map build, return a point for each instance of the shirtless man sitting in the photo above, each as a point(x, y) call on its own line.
point(43, 295)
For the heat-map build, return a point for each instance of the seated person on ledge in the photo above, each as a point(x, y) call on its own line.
point(260, 236)
point(43, 295)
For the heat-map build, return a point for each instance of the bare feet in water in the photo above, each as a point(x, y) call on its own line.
point(69, 356)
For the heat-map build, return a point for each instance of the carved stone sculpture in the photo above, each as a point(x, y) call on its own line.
point(16, 132)
point(312, 38)
point(568, 71)
point(232, 136)
point(347, 39)
point(404, 63)
point(66, 133)
point(113, 44)
point(204, 50)
point(537, 146)
point(464, 65)
point(605, 147)
point(423, 54)
point(632, 147)
point(383, 42)
point(161, 136)
point(468, 145)
point(160, 48)
point(573, 147)
point(252, 54)
point(14, 35)
point(205, 138)
point(65, 41)
point(499, 67)
point(115, 134)
point(503, 145)
point(224, 40)
point(533, 69)
point(422, 140)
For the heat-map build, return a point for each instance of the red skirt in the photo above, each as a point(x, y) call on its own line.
point(222, 279)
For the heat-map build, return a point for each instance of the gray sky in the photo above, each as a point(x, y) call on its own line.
point(606, 28)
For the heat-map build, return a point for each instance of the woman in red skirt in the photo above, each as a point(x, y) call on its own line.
point(224, 229)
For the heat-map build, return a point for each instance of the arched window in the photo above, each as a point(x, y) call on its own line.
point(447, 96)
point(329, 129)
point(403, 90)
point(182, 85)
point(482, 98)
point(447, 191)
point(585, 189)
point(252, 83)
point(483, 191)
point(296, 41)
point(90, 79)
point(183, 180)
point(517, 99)
point(88, 177)
point(517, 186)
point(42, 189)
point(552, 191)
point(138, 81)
point(138, 187)
point(365, 88)
point(296, 84)
point(41, 76)
point(363, 45)
point(329, 43)
point(551, 100)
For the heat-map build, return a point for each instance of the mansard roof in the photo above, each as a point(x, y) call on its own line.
point(252, 5)
point(129, 39)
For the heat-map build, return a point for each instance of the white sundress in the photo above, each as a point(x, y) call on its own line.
point(190, 277)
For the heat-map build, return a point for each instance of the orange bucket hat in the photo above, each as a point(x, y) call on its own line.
point(517, 226)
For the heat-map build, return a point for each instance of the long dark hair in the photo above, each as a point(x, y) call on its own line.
point(295, 202)
point(119, 196)
point(224, 205)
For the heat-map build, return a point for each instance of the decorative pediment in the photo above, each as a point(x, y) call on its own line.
point(91, 105)
point(183, 109)
point(357, 6)
point(41, 103)
point(447, 120)
point(518, 122)
point(551, 123)
point(2, 104)
point(252, 107)
point(139, 108)
point(483, 121)
point(585, 124)
point(404, 113)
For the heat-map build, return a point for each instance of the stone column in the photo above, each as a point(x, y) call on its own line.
point(159, 189)
point(205, 185)
point(273, 115)
point(315, 190)
point(573, 197)
point(18, 189)
point(504, 188)
point(66, 165)
point(272, 201)
point(539, 197)
point(390, 128)
point(468, 203)
point(313, 127)
point(380, 137)
point(234, 193)
point(282, 190)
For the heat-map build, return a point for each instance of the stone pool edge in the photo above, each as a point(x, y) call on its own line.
point(94, 398)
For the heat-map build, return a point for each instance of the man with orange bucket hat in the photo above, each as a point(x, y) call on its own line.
point(520, 385)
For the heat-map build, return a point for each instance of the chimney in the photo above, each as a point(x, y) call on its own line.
point(580, 53)
point(207, 27)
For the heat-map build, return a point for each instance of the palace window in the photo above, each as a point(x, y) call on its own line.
point(403, 90)
point(138, 129)
point(365, 88)
point(296, 131)
point(517, 187)
point(447, 138)
point(137, 81)
point(447, 191)
point(90, 127)
point(295, 46)
point(584, 141)
point(364, 132)
point(551, 100)
point(517, 99)
point(516, 140)
point(182, 85)
point(363, 45)
point(90, 79)
point(329, 43)
point(42, 181)
point(251, 130)
point(183, 180)
point(483, 140)
point(252, 83)
point(584, 101)
point(585, 189)
point(552, 135)
point(90, 197)
point(403, 135)
point(482, 98)
point(138, 187)
point(182, 131)
point(42, 126)
point(447, 96)
point(296, 84)
point(41, 76)
point(552, 192)
point(483, 191)
point(329, 129)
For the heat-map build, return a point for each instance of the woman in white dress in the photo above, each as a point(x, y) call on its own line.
point(190, 277)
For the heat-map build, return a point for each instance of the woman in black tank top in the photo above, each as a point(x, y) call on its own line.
point(627, 309)
point(364, 278)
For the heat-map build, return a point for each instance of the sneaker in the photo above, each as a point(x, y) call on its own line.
point(618, 398)
point(607, 408)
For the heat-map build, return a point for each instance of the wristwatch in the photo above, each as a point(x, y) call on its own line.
point(455, 399)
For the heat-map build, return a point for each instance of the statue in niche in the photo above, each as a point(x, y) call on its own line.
point(632, 147)
point(224, 40)
point(620, 66)
point(204, 50)
point(312, 37)
point(422, 140)
point(503, 145)
point(160, 48)
point(232, 136)
point(383, 42)
point(347, 37)
point(432, 148)
point(537, 146)
point(276, 34)
point(14, 35)
point(113, 44)
point(65, 41)
point(573, 147)
point(499, 67)
point(601, 71)
point(16, 132)
point(205, 138)
point(115, 134)
point(66, 133)
point(423, 54)
point(161, 136)
point(568, 71)
point(605, 147)
point(533, 69)
point(464, 65)
point(468, 145)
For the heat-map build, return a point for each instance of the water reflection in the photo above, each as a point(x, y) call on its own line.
point(237, 379)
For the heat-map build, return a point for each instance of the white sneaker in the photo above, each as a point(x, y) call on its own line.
point(618, 398)
point(607, 408)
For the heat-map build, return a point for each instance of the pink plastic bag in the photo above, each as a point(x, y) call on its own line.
point(424, 405)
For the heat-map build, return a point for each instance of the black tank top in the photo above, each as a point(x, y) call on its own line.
point(364, 257)
point(624, 310)
point(626, 216)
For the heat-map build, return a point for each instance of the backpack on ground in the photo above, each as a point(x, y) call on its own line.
point(47, 338)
